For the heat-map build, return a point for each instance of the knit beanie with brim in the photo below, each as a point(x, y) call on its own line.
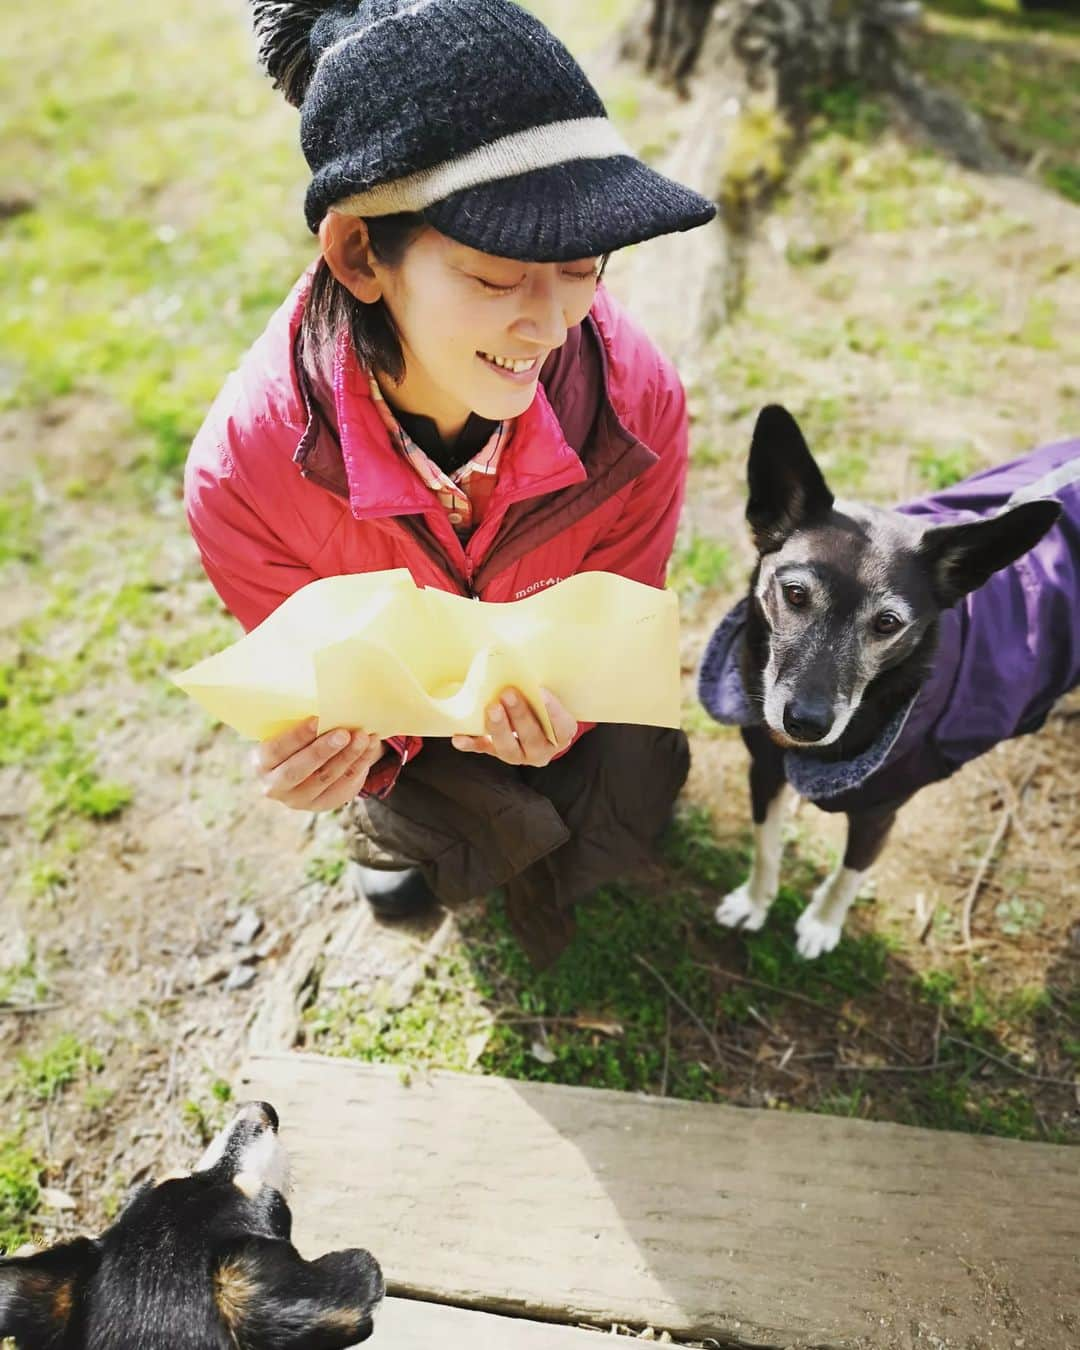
point(469, 113)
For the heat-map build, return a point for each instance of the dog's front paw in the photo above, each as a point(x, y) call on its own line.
point(813, 935)
point(738, 910)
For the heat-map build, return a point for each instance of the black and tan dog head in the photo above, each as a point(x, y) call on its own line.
point(846, 596)
point(201, 1261)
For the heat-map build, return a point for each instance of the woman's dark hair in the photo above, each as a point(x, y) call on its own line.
point(331, 306)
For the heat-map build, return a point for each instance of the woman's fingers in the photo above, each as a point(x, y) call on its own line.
point(290, 773)
point(502, 728)
point(316, 769)
point(525, 728)
point(354, 771)
point(270, 753)
point(515, 734)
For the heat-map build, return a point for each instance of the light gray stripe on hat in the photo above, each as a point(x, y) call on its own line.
point(1049, 485)
point(522, 152)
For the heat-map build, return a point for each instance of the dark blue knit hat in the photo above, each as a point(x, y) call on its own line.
point(470, 113)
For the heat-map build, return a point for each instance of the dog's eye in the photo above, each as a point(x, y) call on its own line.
point(888, 623)
point(797, 596)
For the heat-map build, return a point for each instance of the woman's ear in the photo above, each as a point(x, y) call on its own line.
point(346, 246)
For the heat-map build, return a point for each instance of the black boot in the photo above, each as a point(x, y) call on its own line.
point(392, 894)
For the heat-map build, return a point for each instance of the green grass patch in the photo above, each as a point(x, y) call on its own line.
point(639, 965)
point(644, 996)
point(702, 564)
point(941, 466)
point(25, 981)
point(20, 526)
point(435, 1030)
point(20, 1171)
point(89, 631)
point(44, 1076)
point(1020, 71)
point(974, 1090)
point(848, 109)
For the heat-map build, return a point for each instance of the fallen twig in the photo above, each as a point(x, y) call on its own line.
point(1013, 1068)
point(605, 1028)
point(927, 922)
point(892, 1068)
point(810, 1003)
point(27, 1009)
point(1008, 812)
point(717, 1049)
point(721, 1052)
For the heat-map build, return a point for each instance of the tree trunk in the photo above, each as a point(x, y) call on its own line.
point(741, 75)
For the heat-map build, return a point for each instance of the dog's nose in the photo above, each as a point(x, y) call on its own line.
point(260, 1113)
point(807, 719)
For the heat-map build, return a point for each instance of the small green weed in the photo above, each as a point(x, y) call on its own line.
point(1016, 917)
point(43, 1077)
point(326, 869)
point(206, 1114)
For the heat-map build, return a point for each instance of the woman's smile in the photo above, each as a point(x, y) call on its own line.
point(519, 369)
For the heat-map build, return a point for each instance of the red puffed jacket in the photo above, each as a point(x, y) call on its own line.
point(291, 479)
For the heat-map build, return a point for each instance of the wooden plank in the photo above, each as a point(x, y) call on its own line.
point(757, 1227)
point(404, 1324)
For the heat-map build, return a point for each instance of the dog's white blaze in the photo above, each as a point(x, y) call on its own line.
point(821, 923)
point(215, 1150)
point(748, 904)
point(264, 1159)
point(843, 713)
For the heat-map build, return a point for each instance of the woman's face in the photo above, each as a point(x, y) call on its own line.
point(475, 328)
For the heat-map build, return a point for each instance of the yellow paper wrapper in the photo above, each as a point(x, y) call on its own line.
point(374, 651)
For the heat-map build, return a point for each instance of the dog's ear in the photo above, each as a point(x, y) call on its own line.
point(272, 1299)
point(39, 1292)
point(787, 490)
point(962, 557)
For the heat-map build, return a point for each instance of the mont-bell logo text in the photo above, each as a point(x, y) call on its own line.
point(538, 586)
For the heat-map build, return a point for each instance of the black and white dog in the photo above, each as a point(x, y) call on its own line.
point(878, 650)
point(201, 1261)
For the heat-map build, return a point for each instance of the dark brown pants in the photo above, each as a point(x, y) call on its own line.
point(550, 836)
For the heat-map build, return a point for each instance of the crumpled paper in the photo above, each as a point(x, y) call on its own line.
point(374, 651)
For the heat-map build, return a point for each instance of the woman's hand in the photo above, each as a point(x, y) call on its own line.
point(316, 773)
point(515, 735)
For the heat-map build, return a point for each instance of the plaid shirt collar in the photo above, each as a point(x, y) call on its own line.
point(452, 489)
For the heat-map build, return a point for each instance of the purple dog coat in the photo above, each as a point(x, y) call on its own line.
point(1007, 652)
